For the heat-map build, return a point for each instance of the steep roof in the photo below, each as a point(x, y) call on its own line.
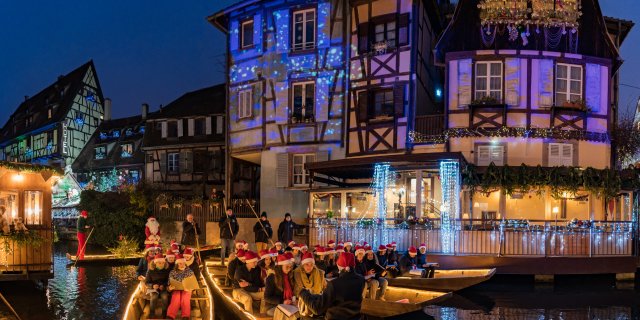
point(60, 93)
point(464, 34)
point(205, 101)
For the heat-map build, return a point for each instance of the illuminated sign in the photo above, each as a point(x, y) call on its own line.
point(65, 138)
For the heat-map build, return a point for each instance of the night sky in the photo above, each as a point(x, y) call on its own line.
point(154, 51)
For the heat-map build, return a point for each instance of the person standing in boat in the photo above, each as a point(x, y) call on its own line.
point(263, 232)
point(190, 230)
point(156, 281)
point(228, 231)
point(279, 286)
point(285, 229)
point(247, 284)
point(180, 299)
point(308, 277)
point(342, 299)
point(81, 233)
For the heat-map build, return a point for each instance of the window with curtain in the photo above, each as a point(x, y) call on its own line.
point(304, 24)
point(488, 80)
point(568, 83)
point(303, 100)
point(33, 207)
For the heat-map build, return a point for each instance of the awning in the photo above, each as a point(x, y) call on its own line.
point(362, 168)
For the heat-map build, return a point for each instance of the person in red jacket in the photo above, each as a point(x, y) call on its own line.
point(83, 227)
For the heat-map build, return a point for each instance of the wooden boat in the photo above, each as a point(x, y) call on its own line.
point(229, 309)
point(445, 280)
point(111, 259)
point(201, 304)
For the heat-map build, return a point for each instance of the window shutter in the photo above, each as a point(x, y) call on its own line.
point(592, 90)
point(496, 155)
point(208, 125)
point(363, 105)
point(186, 161)
point(282, 170)
point(363, 37)
point(190, 127)
point(163, 163)
point(180, 124)
point(322, 155)
point(567, 154)
point(464, 82)
point(398, 99)
point(545, 95)
point(403, 30)
point(281, 105)
point(512, 81)
point(484, 156)
point(164, 129)
point(219, 125)
point(554, 154)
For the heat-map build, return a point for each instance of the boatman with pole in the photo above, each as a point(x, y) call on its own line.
point(83, 227)
point(228, 230)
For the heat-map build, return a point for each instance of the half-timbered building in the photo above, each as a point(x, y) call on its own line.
point(184, 143)
point(53, 126)
point(287, 78)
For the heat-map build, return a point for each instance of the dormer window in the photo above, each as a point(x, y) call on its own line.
point(488, 80)
point(568, 83)
point(128, 132)
point(172, 129)
point(199, 127)
point(246, 34)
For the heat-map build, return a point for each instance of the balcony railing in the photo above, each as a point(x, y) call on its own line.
point(430, 125)
point(540, 238)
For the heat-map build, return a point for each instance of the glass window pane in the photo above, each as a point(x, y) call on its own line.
point(379, 37)
point(481, 69)
point(310, 15)
point(496, 83)
point(310, 35)
point(560, 98)
point(379, 28)
point(298, 17)
point(576, 73)
point(481, 83)
point(496, 69)
point(391, 26)
point(561, 85)
point(575, 87)
point(391, 35)
point(561, 71)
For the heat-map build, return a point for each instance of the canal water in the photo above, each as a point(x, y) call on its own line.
point(102, 292)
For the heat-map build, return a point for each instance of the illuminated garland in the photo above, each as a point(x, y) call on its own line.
point(30, 168)
point(518, 132)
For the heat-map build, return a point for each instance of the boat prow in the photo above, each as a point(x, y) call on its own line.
point(445, 280)
point(104, 259)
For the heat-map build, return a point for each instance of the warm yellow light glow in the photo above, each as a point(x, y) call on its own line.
point(555, 210)
point(18, 177)
point(133, 295)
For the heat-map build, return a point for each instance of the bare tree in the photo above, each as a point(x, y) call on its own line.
point(625, 137)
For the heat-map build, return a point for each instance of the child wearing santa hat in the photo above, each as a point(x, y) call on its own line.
point(156, 280)
point(266, 263)
point(278, 247)
point(171, 258)
point(180, 299)
point(192, 261)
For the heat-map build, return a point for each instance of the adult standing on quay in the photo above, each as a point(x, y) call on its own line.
point(263, 232)
point(228, 231)
point(82, 234)
point(285, 229)
point(190, 230)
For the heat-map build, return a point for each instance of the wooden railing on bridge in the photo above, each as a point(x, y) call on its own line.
point(206, 211)
point(488, 237)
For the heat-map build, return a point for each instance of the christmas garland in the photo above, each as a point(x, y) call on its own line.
point(30, 168)
point(502, 132)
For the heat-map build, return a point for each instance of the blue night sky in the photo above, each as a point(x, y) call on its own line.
point(154, 51)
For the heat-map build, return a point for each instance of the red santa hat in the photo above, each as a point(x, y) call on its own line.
point(273, 252)
point(340, 243)
point(304, 246)
point(175, 248)
point(264, 253)
point(84, 213)
point(170, 254)
point(320, 251)
point(412, 250)
point(250, 256)
point(382, 247)
point(393, 244)
point(240, 254)
point(348, 243)
point(289, 256)
point(422, 245)
point(331, 244)
point(158, 257)
point(364, 244)
point(187, 252)
point(340, 248)
point(282, 260)
point(180, 258)
point(296, 247)
point(368, 249)
point(359, 249)
point(278, 243)
point(346, 261)
point(151, 218)
point(291, 243)
point(389, 246)
point(307, 257)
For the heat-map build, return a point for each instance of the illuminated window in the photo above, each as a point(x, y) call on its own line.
point(199, 126)
point(568, 83)
point(304, 29)
point(488, 80)
point(100, 152)
point(303, 101)
point(173, 163)
point(127, 150)
point(301, 176)
point(245, 103)
point(488, 154)
point(560, 154)
point(33, 207)
point(9, 205)
point(385, 31)
point(246, 34)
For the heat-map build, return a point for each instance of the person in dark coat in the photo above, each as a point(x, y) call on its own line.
point(247, 284)
point(285, 229)
point(233, 265)
point(392, 260)
point(143, 264)
point(381, 255)
point(279, 286)
point(342, 299)
point(156, 280)
point(422, 261)
point(189, 230)
point(228, 231)
point(263, 232)
point(408, 262)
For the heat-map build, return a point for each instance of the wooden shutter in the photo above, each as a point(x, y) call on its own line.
point(593, 91)
point(164, 129)
point(484, 155)
point(190, 127)
point(403, 30)
point(281, 105)
point(180, 125)
point(363, 37)
point(186, 162)
point(219, 125)
point(464, 82)
point(566, 154)
point(512, 81)
point(208, 125)
point(488, 154)
point(398, 99)
point(560, 154)
point(363, 105)
point(545, 93)
point(163, 163)
point(282, 170)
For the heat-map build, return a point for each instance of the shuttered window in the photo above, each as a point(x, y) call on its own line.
point(488, 154)
point(560, 154)
point(488, 80)
point(300, 175)
point(568, 83)
point(172, 129)
point(173, 163)
point(383, 103)
point(245, 103)
point(383, 33)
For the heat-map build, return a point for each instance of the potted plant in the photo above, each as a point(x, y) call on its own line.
point(484, 101)
point(578, 104)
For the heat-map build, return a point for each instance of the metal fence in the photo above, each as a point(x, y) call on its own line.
point(491, 238)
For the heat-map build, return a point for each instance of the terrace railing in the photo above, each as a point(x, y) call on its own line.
point(532, 238)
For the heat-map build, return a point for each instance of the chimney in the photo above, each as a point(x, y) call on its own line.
point(107, 109)
point(145, 111)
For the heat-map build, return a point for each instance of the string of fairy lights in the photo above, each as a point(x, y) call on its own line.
point(505, 131)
